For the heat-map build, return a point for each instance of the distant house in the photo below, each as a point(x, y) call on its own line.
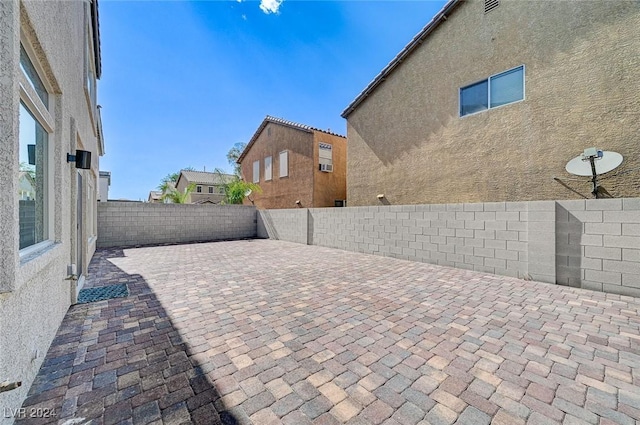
point(209, 187)
point(491, 99)
point(155, 197)
point(103, 187)
point(26, 186)
point(295, 165)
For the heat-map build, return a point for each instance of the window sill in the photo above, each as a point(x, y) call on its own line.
point(35, 259)
point(34, 251)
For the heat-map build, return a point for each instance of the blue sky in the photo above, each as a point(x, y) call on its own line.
point(183, 81)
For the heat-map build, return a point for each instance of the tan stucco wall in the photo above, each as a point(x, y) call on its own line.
point(282, 192)
point(329, 187)
point(33, 293)
point(582, 59)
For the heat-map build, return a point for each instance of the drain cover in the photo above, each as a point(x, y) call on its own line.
point(91, 295)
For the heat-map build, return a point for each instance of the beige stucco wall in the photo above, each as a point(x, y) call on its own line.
point(34, 295)
point(329, 187)
point(582, 59)
point(298, 185)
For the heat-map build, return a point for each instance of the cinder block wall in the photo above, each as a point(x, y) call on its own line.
point(592, 244)
point(135, 223)
point(287, 225)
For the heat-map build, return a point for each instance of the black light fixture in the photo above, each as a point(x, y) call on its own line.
point(81, 158)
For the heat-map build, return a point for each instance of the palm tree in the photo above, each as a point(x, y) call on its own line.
point(174, 196)
point(169, 181)
point(235, 189)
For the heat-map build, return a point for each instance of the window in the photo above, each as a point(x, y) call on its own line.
point(221, 190)
point(500, 89)
point(210, 189)
point(91, 72)
point(284, 163)
point(325, 156)
point(267, 168)
point(35, 217)
point(32, 76)
point(256, 171)
point(199, 189)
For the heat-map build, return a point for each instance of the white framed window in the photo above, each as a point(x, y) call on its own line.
point(35, 125)
point(284, 163)
point(256, 171)
point(90, 64)
point(497, 90)
point(268, 174)
point(325, 157)
point(29, 71)
point(199, 189)
point(210, 189)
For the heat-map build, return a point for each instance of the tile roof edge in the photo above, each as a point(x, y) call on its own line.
point(281, 121)
point(404, 53)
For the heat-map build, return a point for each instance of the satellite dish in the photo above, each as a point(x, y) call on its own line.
point(581, 165)
point(248, 192)
point(593, 162)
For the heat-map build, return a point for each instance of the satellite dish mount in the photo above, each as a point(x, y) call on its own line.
point(592, 155)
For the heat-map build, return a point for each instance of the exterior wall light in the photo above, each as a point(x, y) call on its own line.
point(81, 158)
point(380, 196)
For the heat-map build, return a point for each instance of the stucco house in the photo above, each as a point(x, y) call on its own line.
point(296, 165)
point(26, 186)
point(155, 197)
point(491, 99)
point(103, 186)
point(48, 110)
point(209, 187)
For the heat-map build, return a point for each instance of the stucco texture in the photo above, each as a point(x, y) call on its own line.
point(34, 294)
point(582, 67)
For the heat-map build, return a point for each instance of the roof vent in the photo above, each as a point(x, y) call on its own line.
point(489, 5)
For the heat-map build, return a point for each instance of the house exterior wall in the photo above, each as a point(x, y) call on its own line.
point(282, 192)
point(582, 67)
point(329, 187)
point(103, 188)
point(34, 295)
point(194, 197)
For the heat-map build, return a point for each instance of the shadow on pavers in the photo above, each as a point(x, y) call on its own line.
point(123, 361)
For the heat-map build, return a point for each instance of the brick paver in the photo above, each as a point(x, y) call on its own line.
point(270, 332)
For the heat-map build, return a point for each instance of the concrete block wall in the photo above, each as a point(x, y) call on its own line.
point(489, 237)
point(602, 241)
point(286, 225)
point(136, 223)
point(592, 244)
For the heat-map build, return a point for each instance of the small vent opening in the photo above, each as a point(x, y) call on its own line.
point(489, 5)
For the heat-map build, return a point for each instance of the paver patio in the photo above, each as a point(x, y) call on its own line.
point(269, 332)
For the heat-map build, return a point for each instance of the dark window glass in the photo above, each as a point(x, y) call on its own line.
point(474, 98)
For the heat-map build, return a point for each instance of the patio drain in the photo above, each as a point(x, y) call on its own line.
point(101, 293)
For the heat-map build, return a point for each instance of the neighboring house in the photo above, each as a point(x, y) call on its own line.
point(295, 165)
point(103, 187)
point(50, 54)
point(209, 187)
point(491, 100)
point(155, 197)
point(26, 186)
